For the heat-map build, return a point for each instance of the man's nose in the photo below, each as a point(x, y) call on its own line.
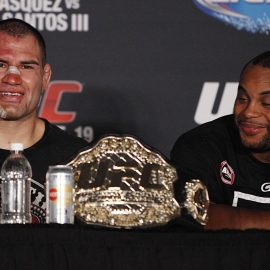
point(12, 76)
point(252, 110)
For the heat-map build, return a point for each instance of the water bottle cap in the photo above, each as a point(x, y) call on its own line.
point(16, 146)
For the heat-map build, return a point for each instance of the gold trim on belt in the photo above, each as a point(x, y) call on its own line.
point(121, 183)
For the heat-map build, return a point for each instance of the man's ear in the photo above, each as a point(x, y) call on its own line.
point(47, 71)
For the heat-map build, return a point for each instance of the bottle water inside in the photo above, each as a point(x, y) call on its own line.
point(16, 174)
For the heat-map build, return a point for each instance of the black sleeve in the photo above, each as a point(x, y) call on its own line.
point(195, 157)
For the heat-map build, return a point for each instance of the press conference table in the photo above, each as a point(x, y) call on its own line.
point(86, 247)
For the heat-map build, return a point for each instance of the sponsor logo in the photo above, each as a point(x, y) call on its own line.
point(208, 108)
point(50, 104)
point(226, 173)
point(52, 98)
point(249, 15)
point(265, 187)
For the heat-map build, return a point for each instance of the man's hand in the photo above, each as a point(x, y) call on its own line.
point(228, 217)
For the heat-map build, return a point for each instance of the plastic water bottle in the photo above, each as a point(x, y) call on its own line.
point(16, 174)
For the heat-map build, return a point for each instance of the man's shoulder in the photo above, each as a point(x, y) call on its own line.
point(217, 133)
point(60, 134)
point(222, 123)
point(60, 138)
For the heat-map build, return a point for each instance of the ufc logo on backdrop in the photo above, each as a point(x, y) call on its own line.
point(204, 112)
point(52, 99)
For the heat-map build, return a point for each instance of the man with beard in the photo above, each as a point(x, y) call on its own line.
point(24, 76)
point(231, 155)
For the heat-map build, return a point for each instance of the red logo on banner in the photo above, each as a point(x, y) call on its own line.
point(53, 194)
point(52, 98)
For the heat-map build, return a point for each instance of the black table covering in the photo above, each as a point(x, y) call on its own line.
point(86, 247)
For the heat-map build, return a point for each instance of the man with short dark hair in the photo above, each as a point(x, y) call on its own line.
point(231, 155)
point(24, 76)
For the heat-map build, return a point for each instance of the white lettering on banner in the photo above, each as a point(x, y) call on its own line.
point(204, 112)
point(31, 5)
point(4, 5)
point(42, 21)
point(79, 22)
point(248, 197)
point(62, 127)
point(72, 4)
point(15, 6)
point(46, 15)
point(86, 132)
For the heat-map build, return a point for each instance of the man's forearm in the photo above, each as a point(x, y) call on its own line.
point(228, 217)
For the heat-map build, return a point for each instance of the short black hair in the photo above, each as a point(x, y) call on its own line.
point(19, 28)
point(262, 59)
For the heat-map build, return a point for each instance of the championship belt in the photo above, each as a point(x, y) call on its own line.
point(121, 183)
point(197, 200)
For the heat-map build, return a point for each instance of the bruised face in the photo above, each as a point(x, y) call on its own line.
point(21, 85)
point(252, 108)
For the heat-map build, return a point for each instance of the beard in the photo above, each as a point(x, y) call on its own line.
point(260, 146)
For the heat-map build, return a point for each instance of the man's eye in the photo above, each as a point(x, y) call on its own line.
point(3, 65)
point(242, 99)
point(26, 66)
point(266, 104)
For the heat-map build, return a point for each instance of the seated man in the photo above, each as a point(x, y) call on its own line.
point(231, 155)
point(24, 75)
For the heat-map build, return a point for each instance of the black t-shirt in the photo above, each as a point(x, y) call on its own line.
point(54, 148)
point(213, 153)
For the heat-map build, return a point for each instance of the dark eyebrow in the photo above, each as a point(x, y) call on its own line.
point(267, 92)
point(264, 93)
point(3, 61)
point(27, 62)
point(241, 88)
point(30, 62)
